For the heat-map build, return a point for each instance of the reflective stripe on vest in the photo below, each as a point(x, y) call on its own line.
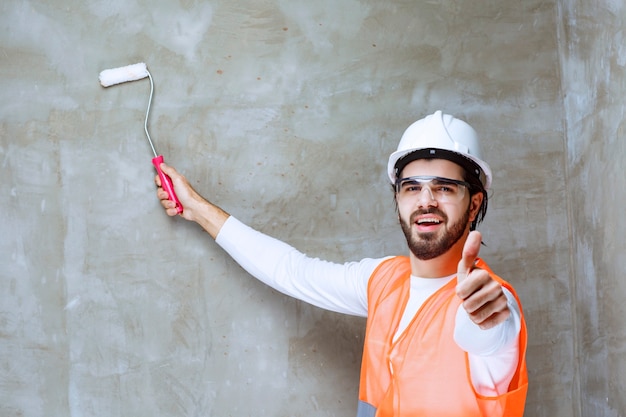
point(430, 374)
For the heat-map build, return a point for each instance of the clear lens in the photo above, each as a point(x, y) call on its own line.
point(440, 189)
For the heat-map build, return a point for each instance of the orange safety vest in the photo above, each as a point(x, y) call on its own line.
point(425, 373)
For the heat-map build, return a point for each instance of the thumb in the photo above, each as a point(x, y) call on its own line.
point(168, 169)
point(177, 179)
point(470, 253)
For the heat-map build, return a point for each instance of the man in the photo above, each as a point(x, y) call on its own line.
point(445, 336)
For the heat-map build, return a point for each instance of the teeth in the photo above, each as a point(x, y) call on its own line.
point(420, 221)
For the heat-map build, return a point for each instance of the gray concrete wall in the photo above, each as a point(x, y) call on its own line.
point(284, 113)
point(593, 50)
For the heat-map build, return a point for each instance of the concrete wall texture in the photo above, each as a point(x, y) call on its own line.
point(284, 113)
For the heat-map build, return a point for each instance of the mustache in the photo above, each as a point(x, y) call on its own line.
point(431, 210)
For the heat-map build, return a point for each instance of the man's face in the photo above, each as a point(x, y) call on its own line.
point(432, 227)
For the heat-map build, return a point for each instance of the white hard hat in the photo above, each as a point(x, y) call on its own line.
point(440, 136)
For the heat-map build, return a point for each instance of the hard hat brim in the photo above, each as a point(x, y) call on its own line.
point(475, 166)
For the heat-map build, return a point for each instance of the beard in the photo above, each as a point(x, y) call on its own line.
point(426, 246)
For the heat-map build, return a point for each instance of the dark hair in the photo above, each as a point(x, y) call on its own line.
point(471, 167)
point(476, 186)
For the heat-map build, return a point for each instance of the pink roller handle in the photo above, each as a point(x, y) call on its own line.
point(166, 182)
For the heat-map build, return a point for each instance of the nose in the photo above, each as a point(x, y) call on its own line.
point(426, 197)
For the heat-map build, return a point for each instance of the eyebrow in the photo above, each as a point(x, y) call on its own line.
point(437, 180)
point(429, 178)
point(445, 181)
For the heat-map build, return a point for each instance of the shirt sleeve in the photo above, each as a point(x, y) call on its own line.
point(337, 287)
point(493, 353)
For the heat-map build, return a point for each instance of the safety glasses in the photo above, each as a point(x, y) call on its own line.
point(443, 190)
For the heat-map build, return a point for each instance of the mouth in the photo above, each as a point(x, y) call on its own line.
point(427, 222)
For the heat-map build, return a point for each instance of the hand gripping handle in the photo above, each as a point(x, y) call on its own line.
point(166, 182)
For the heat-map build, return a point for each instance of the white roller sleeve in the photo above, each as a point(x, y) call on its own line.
point(123, 74)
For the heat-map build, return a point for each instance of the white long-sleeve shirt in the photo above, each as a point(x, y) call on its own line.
point(342, 288)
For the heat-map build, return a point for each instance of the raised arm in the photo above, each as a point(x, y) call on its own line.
point(328, 285)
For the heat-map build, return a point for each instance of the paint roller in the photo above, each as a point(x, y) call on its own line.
point(135, 72)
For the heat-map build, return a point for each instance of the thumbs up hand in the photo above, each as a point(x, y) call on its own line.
point(483, 298)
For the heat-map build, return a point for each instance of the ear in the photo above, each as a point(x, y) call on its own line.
point(475, 202)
